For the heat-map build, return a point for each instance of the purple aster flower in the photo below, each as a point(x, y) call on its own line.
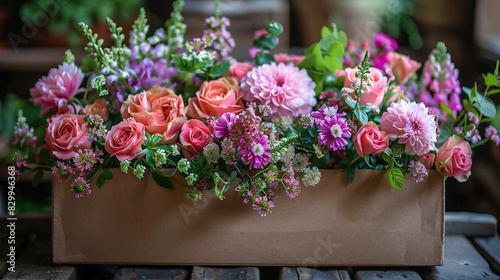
point(62, 171)
point(326, 112)
point(334, 132)
point(222, 126)
point(258, 153)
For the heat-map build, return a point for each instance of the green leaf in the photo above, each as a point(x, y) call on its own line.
point(447, 109)
point(496, 68)
point(263, 58)
point(336, 50)
point(350, 102)
point(161, 180)
point(351, 173)
point(37, 179)
point(332, 63)
point(492, 92)
point(446, 129)
point(150, 158)
point(491, 80)
point(342, 38)
point(266, 41)
point(219, 69)
point(486, 106)
point(101, 180)
point(142, 152)
point(44, 156)
point(396, 177)
point(325, 31)
point(362, 116)
point(108, 175)
point(274, 28)
point(470, 108)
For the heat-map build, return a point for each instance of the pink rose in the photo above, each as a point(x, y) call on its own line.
point(65, 135)
point(124, 139)
point(401, 66)
point(216, 98)
point(55, 89)
point(370, 140)
point(454, 158)
point(194, 136)
point(239, 70)
point(159, 109)
point(375, 95)
point(97, 108)
point(287, 58)
point(427, 160)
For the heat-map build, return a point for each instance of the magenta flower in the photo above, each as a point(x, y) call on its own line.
point(222, 126)
point(412, 124)
point(288, 90)
point(385, 42)
point(326, 111)
point(334, 132)
point(79, 186)
point(258, 154)
point(55, 89)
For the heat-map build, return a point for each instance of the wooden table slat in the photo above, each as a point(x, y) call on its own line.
point(366, 274)
point(490, 249)
point(35, 263)
point(307, 273)
point(461, 261)
point(225, 273)
point(470, 224)
point(131, 273)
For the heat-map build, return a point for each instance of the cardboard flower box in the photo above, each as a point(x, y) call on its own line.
point(365, 223)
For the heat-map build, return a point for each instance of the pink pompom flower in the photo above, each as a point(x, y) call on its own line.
point(55, 89)
point(288, 90)
point(412, 125)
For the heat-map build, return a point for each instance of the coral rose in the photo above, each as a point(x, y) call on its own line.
point(97, 108)
point(370, 140)
point(195, 135)
point(65, 135)
point(375, 95)
point(160, 110)
point(239, 70)
point(454, 158)
point(401, 66)
point(124, 139)
point(216, 98)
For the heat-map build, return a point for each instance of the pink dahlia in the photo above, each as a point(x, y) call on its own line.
point(257, 154)
point(55, 89)
point(412, 124)
point(288, 90)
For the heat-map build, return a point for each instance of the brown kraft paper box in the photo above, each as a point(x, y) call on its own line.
point(365, 223)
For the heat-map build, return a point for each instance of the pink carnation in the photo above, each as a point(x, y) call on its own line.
point(412, 124)
point(55, 89)
point(288, 90)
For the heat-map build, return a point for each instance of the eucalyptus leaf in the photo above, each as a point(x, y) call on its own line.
point(486, 106)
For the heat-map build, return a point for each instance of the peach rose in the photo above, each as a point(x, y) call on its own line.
point(65, 135)
point(160, 110)
point(97, 108)
point(287, 58)
point(454, 158)
point(195, 135)
point(239, 70)
point(216, 98)
point(370, 140)
point(375, 95)
point(401, 66)
point(427, 160)
point(124, 139)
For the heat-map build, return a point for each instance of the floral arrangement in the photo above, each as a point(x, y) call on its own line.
point(163, 106)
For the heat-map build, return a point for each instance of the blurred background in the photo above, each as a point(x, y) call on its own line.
point(35, 33)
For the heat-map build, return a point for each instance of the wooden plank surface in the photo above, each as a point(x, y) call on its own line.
point(490, 250)
point(306, 273)
point(461, 261)
point(35, 263)
point(131, 273)
point(470, 224)
point(225, 273)
point(366, 274)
